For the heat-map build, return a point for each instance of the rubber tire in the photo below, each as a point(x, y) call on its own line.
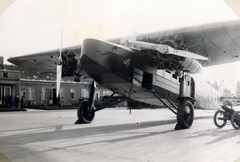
point(83, 113)
point(185, 118)
point(215, 119)
point(233, 118)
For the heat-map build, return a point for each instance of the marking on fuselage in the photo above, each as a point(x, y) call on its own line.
point(127, 62)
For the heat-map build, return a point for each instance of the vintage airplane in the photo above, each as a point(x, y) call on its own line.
point(133, 66)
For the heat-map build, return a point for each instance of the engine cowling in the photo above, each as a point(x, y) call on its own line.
point(173, 62)
point(69, 63)
point(192, 66)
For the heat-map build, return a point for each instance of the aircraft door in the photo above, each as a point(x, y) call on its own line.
point(147, 80)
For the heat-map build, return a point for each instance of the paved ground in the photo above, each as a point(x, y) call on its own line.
point(114, 135)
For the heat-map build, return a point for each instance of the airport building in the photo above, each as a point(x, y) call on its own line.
point(37, 92)
point(9, 84)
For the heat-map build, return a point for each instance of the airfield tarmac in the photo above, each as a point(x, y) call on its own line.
point(146, 135)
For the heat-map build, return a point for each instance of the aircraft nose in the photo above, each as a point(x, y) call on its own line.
point(90, 47)
point(106, 56)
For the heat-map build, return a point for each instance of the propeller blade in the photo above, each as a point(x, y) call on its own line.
point(165, 49)
point(59, 75)
point(59, 68)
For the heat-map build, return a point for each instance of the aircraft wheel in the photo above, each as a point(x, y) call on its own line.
point(219, 119)
point(235, 120)
point(185, 114)
point(85, 113)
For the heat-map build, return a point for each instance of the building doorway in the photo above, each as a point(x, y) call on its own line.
point(55, 100)
point(6, 93)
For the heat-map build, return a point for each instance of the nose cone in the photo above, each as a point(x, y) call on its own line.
point(90, 49)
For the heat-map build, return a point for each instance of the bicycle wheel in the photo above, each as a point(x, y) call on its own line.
point(219, 119)
point(235, 120)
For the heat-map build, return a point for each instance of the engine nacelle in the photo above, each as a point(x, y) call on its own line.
point(69, 63)
point(191, 65)
point(174, 63)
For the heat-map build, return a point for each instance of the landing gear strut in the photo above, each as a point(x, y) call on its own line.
point(86, 110)
point(185, 112)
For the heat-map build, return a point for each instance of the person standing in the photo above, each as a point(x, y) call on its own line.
point(16, 101)
point(22, 102)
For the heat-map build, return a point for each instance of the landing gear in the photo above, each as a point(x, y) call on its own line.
point(85, 112)
point(185, 112)
point(185, 115)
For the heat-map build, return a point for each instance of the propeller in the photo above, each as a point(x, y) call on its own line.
point(59, 68)
point(165, 49)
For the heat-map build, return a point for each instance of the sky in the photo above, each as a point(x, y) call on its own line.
point(32, 26)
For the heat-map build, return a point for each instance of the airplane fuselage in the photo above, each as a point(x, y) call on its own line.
point(132, 75)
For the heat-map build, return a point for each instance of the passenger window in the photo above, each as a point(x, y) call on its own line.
point(174, 76)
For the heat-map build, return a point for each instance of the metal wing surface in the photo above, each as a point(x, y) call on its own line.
point(220, 42)
point(42, 63)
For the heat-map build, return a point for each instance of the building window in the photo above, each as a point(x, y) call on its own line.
point(23, 91)
point(97, 95)
point(5, 74)
point(107, 93)
point(7, 91)
point(72, 94)
point(30, 93)
point(44, 94)
point(84, 93)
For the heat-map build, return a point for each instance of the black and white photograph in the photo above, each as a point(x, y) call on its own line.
point(120, 80)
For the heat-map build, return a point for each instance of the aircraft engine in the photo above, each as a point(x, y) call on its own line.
point(69, 63)
point(173, 62)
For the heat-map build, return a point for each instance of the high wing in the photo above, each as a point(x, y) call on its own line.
point(42, 63)
point(218, 42)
